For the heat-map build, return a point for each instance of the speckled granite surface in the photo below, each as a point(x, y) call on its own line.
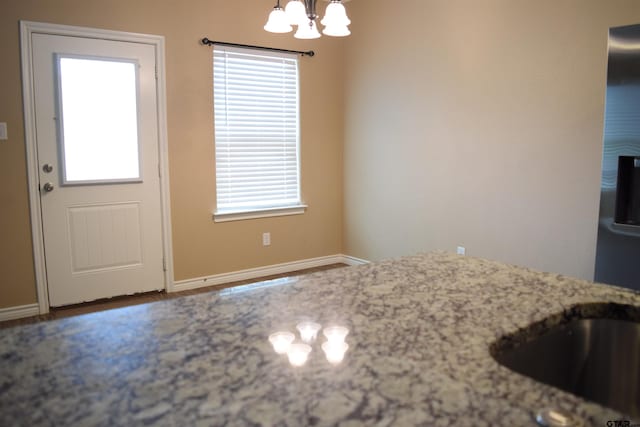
point(420, 331)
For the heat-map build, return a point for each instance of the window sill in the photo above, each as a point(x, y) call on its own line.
point(258, 213)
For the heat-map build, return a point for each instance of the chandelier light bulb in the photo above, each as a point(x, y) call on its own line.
point(335, 15)
point(336, 31)
point(296, 12)
point(307, 31)
point(278, 21)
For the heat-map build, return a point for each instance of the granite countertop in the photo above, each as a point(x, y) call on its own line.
point(420, 329)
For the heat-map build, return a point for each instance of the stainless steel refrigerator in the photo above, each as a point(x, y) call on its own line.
point(618, 249)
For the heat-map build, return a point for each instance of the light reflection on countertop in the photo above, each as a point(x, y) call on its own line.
point(334, 346)
point(242, 289)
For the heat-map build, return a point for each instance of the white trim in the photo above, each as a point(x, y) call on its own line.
point(26, 48)
point(163, 153)
point(27, 28)
point(19, 311)
point(258, 213)
point(253, 273)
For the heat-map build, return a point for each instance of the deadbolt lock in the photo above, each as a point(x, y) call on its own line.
point(47, 168)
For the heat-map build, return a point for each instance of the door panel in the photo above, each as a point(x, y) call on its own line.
point(105, 237)
point(102, 229)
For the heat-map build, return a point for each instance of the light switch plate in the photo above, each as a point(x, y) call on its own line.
point(3, 131)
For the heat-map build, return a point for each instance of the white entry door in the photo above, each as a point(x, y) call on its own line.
point(97, 146)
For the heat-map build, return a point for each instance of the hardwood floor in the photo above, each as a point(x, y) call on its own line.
point(129, 300)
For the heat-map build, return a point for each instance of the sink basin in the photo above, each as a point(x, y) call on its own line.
point(596, 359)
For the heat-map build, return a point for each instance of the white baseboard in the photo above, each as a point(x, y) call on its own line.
point(253, 273)
point(18, 312)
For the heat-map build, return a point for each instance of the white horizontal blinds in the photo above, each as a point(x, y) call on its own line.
point(256, 129)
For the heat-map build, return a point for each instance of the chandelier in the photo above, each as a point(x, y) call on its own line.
point(303, 15)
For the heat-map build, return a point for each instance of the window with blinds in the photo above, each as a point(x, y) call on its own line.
point(256, 132)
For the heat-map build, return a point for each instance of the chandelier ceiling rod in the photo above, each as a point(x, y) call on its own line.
point(310, 7)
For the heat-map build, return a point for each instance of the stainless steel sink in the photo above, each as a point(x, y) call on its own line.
point(597, 359)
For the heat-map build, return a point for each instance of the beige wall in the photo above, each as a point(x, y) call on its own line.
point(478, 123)
point(201, 247)
point(475, 123)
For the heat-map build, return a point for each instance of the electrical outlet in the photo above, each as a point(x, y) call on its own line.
point(266, 239)
point(3, 131)
point(461, 250)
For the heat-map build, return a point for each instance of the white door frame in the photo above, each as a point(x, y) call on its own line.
point(27, 28)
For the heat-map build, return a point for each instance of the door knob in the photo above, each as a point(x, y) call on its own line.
point(48, 187)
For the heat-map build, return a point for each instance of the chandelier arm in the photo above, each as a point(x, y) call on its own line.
point(205, 41)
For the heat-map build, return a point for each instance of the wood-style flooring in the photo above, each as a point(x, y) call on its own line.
point(129, 300)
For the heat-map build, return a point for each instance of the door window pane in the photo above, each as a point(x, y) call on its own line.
point(99, 120)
